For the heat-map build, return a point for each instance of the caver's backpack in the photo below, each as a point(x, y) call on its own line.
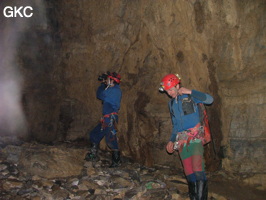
point(205, 123)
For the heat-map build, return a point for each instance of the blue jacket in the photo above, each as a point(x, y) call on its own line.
point(180, 120)
point(111, 98)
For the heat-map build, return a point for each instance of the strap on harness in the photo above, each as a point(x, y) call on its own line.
point(108, 115)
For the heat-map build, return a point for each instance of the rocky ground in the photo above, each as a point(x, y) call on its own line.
point(41, 172)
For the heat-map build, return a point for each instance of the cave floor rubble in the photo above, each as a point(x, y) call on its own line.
point(95, 180)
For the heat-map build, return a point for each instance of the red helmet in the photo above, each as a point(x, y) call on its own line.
point(169, 81)
point(116, 77)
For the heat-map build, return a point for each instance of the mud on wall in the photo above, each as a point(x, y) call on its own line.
point(216, 46)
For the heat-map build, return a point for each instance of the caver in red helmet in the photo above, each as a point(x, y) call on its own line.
point(114, 76)
point(169, 81)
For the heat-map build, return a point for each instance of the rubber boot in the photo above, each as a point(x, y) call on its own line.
point(116, 162)
point(93, 154)
point(192, 189)
point(202, 190)
point(205, 191)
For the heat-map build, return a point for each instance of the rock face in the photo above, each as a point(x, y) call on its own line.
point(216, 46)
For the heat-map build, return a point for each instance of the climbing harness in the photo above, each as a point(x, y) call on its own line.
point(200, 131)
point(184, 137)
point(112, 122)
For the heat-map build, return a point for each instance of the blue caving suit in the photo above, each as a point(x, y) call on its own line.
point(182, 121)
point(111, 99)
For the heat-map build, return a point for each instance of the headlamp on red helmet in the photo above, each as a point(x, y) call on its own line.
point(114, 76)
point(169, 81)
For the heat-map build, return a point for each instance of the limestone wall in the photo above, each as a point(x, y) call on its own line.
point(143, 41)
point(216, 46)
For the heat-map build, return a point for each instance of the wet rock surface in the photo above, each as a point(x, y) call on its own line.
point(36, 172)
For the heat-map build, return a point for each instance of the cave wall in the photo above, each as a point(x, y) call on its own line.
point(216, 46)
point(241, 75)
point(143, 41)
point(37, 52)
point(27, 52)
